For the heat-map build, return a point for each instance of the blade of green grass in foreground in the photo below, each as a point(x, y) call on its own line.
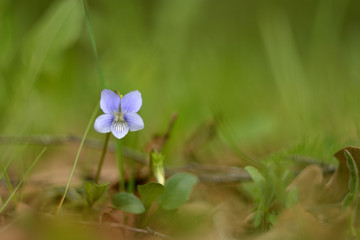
point(4, 171)
point(93, 115)
point(22, 180)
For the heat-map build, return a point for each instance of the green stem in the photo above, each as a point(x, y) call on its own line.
point(132, 177)
point(142, 217)
point(97, 177)
point(10, 186)
point(93, 44)
point(93, 115)
point(120, 165)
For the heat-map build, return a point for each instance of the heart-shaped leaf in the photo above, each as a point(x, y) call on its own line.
point(128, 202)
point(177, 190)
point(150, 192)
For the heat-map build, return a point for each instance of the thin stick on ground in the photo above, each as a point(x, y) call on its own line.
point(48, 140)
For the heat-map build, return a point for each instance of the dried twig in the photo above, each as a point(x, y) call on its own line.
point(69, 139)
point(306, 160)
point(213, 173)
point(208, 173)
point(147, 230)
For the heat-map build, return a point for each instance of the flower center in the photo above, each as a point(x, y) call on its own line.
point(119, 122)
point(119, 117)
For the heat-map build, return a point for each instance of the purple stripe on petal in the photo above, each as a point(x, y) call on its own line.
point(134, 121)
point(110, 101)
point(131, 102)
point(103, 123)
point(119, 129)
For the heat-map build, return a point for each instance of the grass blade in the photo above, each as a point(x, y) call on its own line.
point(93, 115)
point(4, 171)
point(22, 180)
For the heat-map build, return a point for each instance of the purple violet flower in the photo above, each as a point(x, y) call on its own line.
point(120, 114)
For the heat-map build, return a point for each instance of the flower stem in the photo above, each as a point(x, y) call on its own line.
point(131, 185)
point(102, 158)
point(120, 165)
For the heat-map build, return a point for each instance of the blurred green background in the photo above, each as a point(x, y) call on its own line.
point(280, 72)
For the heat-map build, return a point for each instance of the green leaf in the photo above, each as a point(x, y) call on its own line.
point(128, 202)
point(353, 181)
point(94, 191)
point(177, 190)
point(257, 177)
point(150, 192)
point(260, 212)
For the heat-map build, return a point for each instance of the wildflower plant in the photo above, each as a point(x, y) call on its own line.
point(120, 116)
point(120, 113)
